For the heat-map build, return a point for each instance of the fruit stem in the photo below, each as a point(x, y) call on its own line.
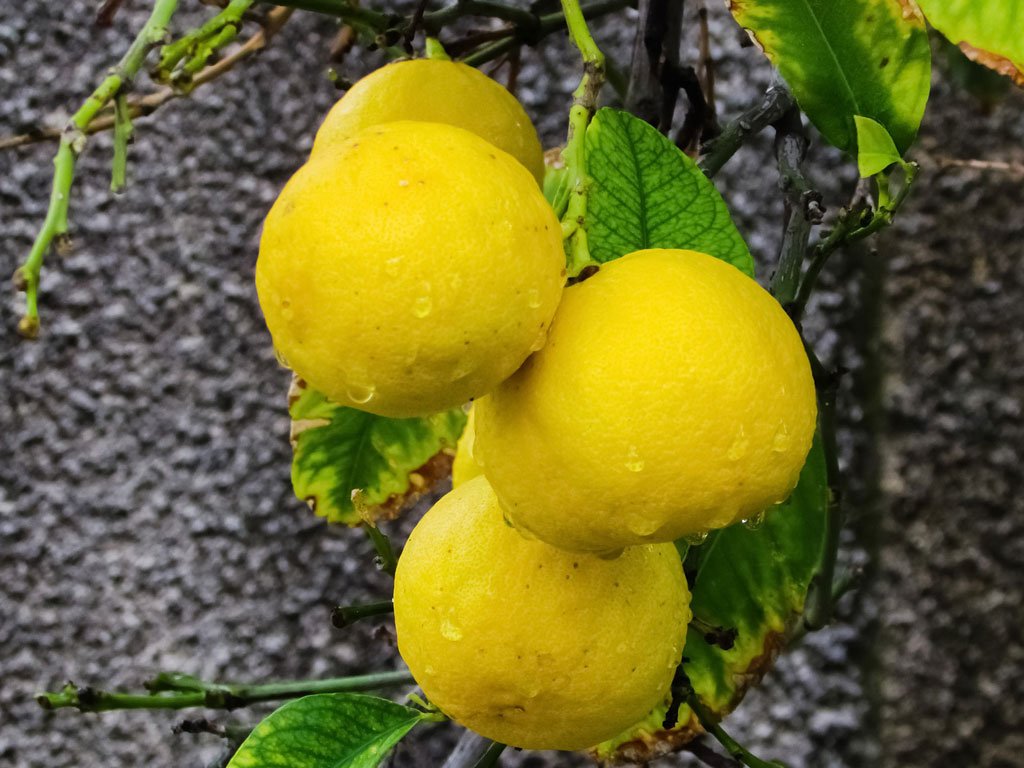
point(172, 691)
point(584, 104)
point(346, 615)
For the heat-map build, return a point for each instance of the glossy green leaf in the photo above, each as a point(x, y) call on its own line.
point(875, 148)
point(855, 57)
point(645, 193)
point(750, 579)
point(990, 32)
point(351, 466)
point(329, 730)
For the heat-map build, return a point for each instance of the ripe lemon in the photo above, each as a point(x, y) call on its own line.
point(435, 91)
point(411, 269)
point(465, 468)
point(673, 396)
point(531, 645)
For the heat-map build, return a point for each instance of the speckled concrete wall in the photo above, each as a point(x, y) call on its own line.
point(146, 517)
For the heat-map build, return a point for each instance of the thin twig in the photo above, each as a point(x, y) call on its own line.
point(711, 724)
point(708, 756)
point(469, 749)
point(105, 15)
point(707, 74)
point(716, 153)
point(173, 691)
point(72, 143)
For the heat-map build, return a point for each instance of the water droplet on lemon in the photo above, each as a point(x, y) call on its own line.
point(633, 461)
point(450, 630)
point(422, 306)
point(782, 439)
point(360, 393)
point(393, 266)
point(754, 522)
point(533, 298)
point(738, 449)
point(696, 539)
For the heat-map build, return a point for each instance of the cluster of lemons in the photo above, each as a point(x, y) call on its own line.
point(413, 265)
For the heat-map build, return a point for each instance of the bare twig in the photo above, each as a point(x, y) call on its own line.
point(469, 750)
point(105, 15)
point(716, 153)
point(802, 204)
point(999, 166)
point(707, 74)
point(708, 756)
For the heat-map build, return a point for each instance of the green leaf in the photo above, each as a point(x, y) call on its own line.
point(329, 730)
point(855, 57)
point(645, 193)
point(990, 32)
point(875, 148)
point(753, 580)
point(351, 466)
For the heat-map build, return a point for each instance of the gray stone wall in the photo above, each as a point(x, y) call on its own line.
point(146, 516)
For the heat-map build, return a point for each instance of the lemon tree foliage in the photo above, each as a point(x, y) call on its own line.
point(875, 148)
point(329, 730)
point(645, 193)
point(351, 465)
point(990, 32)
point(753, 580)
point(856, 57)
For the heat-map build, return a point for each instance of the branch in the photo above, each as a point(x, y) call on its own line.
point(710, 724)
point(802, 204)
point(584, 104)
point(150, 103)
point(716, 153)
point(176, 691)
point(820, 602)
point(182, 59)
point(708, 756)
point(854, 224)
point(72, 143)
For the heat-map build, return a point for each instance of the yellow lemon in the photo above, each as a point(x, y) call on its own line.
point(435, 91)
point(411, 269)
point(531, 645)
point(673, 396)
point(465, 468)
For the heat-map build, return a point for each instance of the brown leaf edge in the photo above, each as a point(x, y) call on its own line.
point(994, 61)
point(422, 480)
point(657, 743)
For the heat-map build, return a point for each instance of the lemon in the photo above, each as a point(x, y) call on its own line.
point(411, 269)
point(531, 645)
point(673, 396)
point(435, 91)
point(465, 468)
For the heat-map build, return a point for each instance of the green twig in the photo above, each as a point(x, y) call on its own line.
point(122, 137)
point(72, 142)
point(346, 615)
point(852, 226)
point(711, 724)
point(183, 58)
point(170, 691)
point(386, 559)
point(584, 104)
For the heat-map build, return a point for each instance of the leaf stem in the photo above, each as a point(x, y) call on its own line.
point(183, 691)
point(72, 142)
point(122, 136)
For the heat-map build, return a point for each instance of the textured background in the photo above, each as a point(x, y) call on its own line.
point(146, 517)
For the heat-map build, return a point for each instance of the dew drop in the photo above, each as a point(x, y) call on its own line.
point(754, 521)
point(641, 526)
point(450, 630)
point(360, 394)
point(393, 266)
point(422, 306)
point(280, 358)
point(781, 441)
point(403, 182)
point(539, 342)
point(696, 539)
point(738, 449)
point(633, 461)
point(533, 298)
